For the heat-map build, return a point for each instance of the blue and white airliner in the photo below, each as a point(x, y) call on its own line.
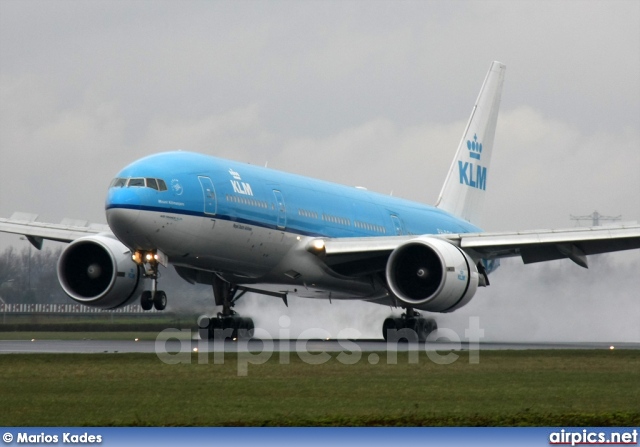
point(243, 228)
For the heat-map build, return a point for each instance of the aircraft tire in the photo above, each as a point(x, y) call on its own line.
point(431, 325)
point(160, 300)
point(215, 324)
point(420, 327)
point(241, 328)
point(246, 329)
point(145, 300)
point(388, 325)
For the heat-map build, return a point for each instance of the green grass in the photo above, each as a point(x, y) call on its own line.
point(568, 388)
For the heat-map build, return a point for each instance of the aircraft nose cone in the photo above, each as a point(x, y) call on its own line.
point(123, 210)
point(123, 198)
point(122, 222)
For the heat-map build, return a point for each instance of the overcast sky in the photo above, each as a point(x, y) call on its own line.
point(362, 93)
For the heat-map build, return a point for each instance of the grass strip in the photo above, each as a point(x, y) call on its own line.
point(506, 388)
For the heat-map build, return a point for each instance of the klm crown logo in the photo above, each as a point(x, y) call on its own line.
point(475, 148)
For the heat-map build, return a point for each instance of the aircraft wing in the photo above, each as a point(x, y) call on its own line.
point(547, 245)
point(66, 231)
point(364, 255)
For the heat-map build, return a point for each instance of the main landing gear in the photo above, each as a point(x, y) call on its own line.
point(410, 327)
point(154, 297)
point(227, 324)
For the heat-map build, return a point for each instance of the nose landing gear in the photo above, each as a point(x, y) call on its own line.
point(154, 297)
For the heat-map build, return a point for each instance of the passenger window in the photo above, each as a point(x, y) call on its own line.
point(152, 183)
point(136, 182)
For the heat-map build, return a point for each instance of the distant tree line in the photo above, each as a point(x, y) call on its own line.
point(29, 276)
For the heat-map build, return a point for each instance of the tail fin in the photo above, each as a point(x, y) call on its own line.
point(463, 191)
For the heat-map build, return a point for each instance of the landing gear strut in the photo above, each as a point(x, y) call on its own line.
point(227, 324)
point(154, 297)
point(410, 327)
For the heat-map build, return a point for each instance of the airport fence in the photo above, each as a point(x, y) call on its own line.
point(77, 317)
point(70, 309)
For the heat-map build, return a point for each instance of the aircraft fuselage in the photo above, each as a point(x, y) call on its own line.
point(243, 222)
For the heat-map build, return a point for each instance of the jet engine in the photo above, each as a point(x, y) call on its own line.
point(432, 274)
point(98, 271)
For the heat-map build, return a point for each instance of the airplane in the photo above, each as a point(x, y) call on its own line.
point(243, 228)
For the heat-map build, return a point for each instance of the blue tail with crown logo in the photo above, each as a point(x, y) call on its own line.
point(465, 186)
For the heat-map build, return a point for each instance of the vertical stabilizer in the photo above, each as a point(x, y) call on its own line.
point(465, 186)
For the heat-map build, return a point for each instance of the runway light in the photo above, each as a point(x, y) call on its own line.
point(612, 347)
point(195, 349)
point(136, 339)
point(33, 339)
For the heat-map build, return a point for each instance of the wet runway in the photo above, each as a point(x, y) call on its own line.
point(174, 346)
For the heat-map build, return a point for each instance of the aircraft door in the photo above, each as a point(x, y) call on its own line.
point(282, 209)
point(209, 195)
point(397, 224)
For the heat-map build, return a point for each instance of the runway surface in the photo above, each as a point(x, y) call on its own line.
point(174, 346)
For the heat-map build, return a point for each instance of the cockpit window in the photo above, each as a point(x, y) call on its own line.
point(118, 183)
point(154, 183)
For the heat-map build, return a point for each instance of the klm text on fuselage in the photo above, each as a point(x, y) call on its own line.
point(472, 175)
point(241, 188)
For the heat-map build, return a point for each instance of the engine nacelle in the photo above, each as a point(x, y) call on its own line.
point(98, 271)
point(432, 274)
